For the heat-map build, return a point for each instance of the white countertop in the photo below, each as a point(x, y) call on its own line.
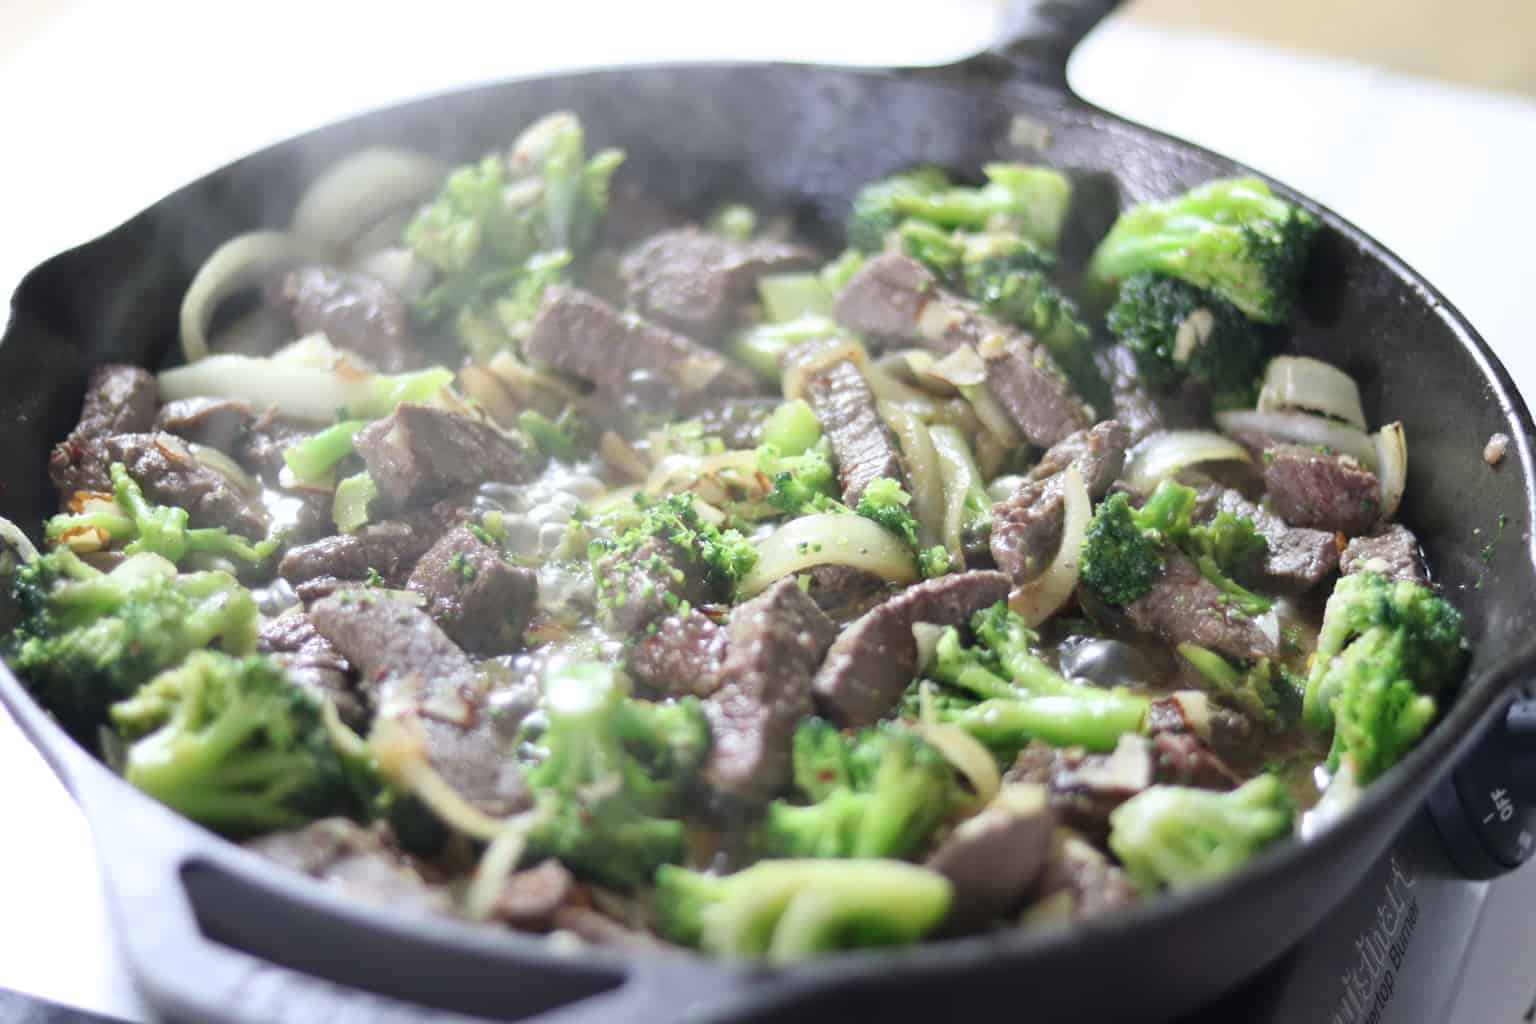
point(107, 106)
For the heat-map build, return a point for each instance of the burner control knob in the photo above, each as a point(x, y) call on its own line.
point(1486, 812)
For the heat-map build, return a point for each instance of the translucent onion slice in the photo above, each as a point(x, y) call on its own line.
point(1044, 595)
point(19, 542)
point(1302, 384)
point(1168, 452)
point(830, 538)
point(240, 263)
point(304, 392)
point(359, 190)
point(718, 479)
point(400, 752)
point(621, 456)
point(958, 472)
point(1391, 466)
point(497, 862)
point(1302, 428)
point(966, 753)
point(924, 472)
point(226, 467)
point(813, 357)
point(405, 274)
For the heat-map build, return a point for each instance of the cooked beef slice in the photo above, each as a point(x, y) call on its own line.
point(530, 897)
point(1085, 788)
point(354, 311)
point(1135, 405)
point(481, 600)
point(1098, 453)
point(1392, 552)
point(261, 447)
point(844, 592)
point(1320, 490)
point(1024, 378)
point(626, 359)
point(1298, 557)
point(357, 858)
point(1190, 712)
point(1185, 607)
point(738, 422)
point(219, 423)
point(118, 400)
point(166, 470)
point(1183, 759)
point(409, 669)
point(875, 658)
point(641, 587)
point(698, 282)
point(862, 445)
point(419, 453)
point(684, 655)
point(995, 857)
point(885, 299)
point(390, 548)
point(774, 643)
point(312, 661)
point(1079, 882)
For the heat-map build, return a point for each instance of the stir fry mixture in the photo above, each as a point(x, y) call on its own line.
point(513, 546)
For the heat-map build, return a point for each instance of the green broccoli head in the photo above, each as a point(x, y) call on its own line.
point(723, 556)
point(1177, 836)
point(234, 744)
point(87, 639)
point(1179, 332)
point(1017, 198)
point(801, 484)
point(1120, 559)
point(884, 501)
point(786, 910)
point(877, 208)
point(1265, 691)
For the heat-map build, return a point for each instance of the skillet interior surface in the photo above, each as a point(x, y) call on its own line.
point(801, 139)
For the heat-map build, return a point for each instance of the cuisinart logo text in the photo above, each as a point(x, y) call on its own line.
point(1369, 984)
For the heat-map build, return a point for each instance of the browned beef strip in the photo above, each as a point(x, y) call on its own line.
point(1028, 383)
point(1225, 731)
point(775, 642)
point(639, 588)
point(1085, 788)
point(627, 359)
point(885, 299)
point(698, 282)
point(530, 897)
point(1185, 607)
point(862, 445)
point(843, 592)
point(684, 655)
point(1084, 878)
point(1316, 489)
point(1297, 557)
point(1098, 453)
point(738, 422)
point(481, 600)
point(409, 669)
point(390, 548)
point(354, 311)
point(1392, 551)
point(261, 447)
point(995, 857)
point(1134, 403)
point(1183, 759)
point(358, 858)
point(219, 423)
point(875, 658)
point(419, 453)
point(313, 662)
point(118, 400)
point(165, 468)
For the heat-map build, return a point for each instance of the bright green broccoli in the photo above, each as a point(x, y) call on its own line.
point(884, 501)
point(1232, 237)
point(234, 744)
point(880, 207)
point(786, 910)
point(878, 793)
point(723, 556)
point(802, 484)
point(608, 784)
point(1177, 836)
point(1029, 201)
point(1121, 559)
point(87, 639)
point(1265, 691)
point(1386, 650)
point(761, 347)
point(792, 428)
point(1179, 332)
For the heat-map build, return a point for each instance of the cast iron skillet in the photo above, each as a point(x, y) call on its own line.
point(213, 932)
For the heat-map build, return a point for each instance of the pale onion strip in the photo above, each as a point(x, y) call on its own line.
point(13, 535)
point(361, 189)
point(830, 538)
point(226, 467)
point(887, 388)
point(915, 366)
point(1044, 595)
point(814, 356)
point(924, 473)
point(677, 473)
point(497, 862)
point(1391, 467)
point(1169, 452)
point(994, 418)
point(400, 269)
point(1302, 428)
point(1303, 384)
point(304, 392)
point(401, 754)
point(544, 392)
point(621, 456)
point(958, 472)
point(487, 389)
point(966, 753)
point(926, 636)
point(960, 369)
point(240, 263)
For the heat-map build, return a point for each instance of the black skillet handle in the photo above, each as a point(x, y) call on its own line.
point(1034, 42)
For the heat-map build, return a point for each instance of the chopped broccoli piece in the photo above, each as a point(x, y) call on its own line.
point(1120, 559)
point(735, 221)
point(761, 347)
point(1028, 201)
point(724, 556)
point(1231, 237)
point(349, 506)
point(792, 428)
point(802, 484)
point(878, 207)
point(1177, 836)
point(838, 272)
point(885, 502)
point(1266, 691)
point(935, 561)
point(313, 457)
point(557, 439)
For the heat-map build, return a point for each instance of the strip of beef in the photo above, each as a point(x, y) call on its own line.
point(1183, 759)
point(775, 642)
point(481, 600)
point(168, 472)
point(313, 662)
point(220, 423)
point(1142, 410)
point(875, 658)
point(994, 858)
point(419, 453)
point(843, 592)
point(862, 444)
point(1392, 552)
point(262, 445)
point(389, 548)
point(738, 422)
point(354, 311)
point(697, 282)
point(638, 588)
point(1078, 882)
point(118, 400)
point(530, 897)
point(1098, 453)
point(1185, 607)
point(1084, 787)
point(1190, 713)
point(684, 655)
point(1024, 378)
point(1298, 557)
point(885, 300)
point(409, 670)
point(1321, 490)
point(626, 359)
point(358, 858)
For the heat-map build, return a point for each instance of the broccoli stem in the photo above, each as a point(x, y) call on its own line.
point(314, 456)
point(1010, 723)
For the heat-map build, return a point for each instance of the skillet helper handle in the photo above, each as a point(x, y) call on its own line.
point(1037, 38)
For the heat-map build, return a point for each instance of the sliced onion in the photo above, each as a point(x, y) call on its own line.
point(1301, 384)
point(1302, 428)
point(1392, 466)
point(1041, 597)
point(400, 269)
point(830, 538)
point(486, 389)
point(966, 753)
point(1002, 488)
point(962, 368)
point(304, 392)
point(959, 473)
point(359, 190)
point(497, 862)
point(548, 394)
point(915, 366)
point(240, 263)
point(226, 467)
point(812, 357)
point(400, 752)
point(1168, 452)
point(926, 636)
point(924, 472)
point(18, 540)
point(728, 476)
point(621, 455)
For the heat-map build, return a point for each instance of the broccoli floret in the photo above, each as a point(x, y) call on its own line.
point(800, 484)
point(785, 910)
point(878, 207)
point(884, 501)
point(1266, 691)
point(761, 347)
point(1029, 201)
point(1179, 332)
point(611, 775)
point(1120, 559)
point(878, 793)
point(234, 744)
point(1178, 836)
point(562, 438)
point(934, 562)
point(87, 639)
point(1231, 237)
point(724, 556)
point(1386, 650)
point(792, 428)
